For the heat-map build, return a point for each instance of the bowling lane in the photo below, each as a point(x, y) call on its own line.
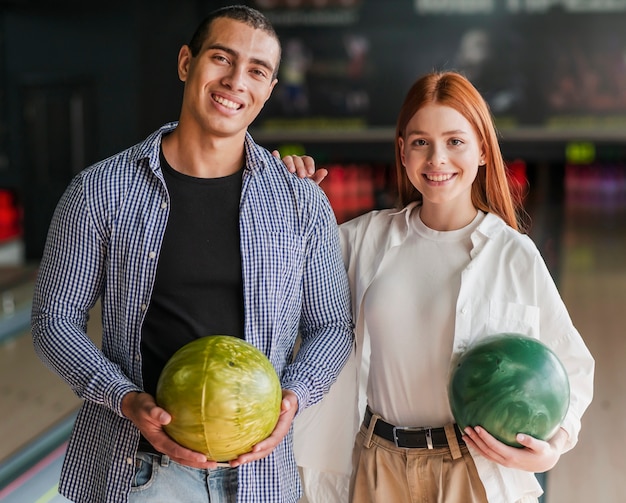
point(38, 408)
point(593, 285)
point(33, 398)
point(40, 483)
point(16, 291)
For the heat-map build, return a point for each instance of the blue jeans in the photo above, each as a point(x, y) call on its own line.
point(160, 480)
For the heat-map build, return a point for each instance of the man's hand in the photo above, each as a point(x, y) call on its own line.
point(143, 411)
point(288, 409)
point(535, 456)
point(303, 166)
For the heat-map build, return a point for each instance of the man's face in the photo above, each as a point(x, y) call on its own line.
point(229, 81)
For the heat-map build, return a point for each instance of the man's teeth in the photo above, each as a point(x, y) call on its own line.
point(227, 103)
point(439, 178)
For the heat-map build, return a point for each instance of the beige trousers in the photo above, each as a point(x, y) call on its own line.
point(385, 473)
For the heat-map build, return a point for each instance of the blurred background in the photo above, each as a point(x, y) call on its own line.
point(80, 81)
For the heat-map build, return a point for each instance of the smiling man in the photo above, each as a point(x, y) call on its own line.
point(196, 231)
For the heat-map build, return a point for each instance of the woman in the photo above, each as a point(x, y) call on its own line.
point(446, 269)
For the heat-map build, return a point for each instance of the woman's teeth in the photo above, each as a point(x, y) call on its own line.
point(439, 178)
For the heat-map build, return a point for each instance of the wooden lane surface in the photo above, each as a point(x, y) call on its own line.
point(33, 399)
point(593, 285)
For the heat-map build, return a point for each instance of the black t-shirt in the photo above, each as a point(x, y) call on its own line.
point(198, 289)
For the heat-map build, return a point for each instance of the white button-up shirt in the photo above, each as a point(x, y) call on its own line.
point(506, 287)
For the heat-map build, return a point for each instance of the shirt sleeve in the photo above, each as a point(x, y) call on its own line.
point(326, 328)
point(69, 282)
point(558, 332)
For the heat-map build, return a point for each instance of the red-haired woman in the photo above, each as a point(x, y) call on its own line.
point(447, 268)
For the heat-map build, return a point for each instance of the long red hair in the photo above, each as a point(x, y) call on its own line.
point(490, 191)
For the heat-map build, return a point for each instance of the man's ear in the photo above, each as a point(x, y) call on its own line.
point(184, 61)
point(269, 93)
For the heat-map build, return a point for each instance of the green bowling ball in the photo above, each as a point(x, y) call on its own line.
point(223, 395)
point(510, 384)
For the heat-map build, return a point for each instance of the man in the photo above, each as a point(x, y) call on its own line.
point(195, 231)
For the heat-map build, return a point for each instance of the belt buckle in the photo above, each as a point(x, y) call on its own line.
point(428, 431)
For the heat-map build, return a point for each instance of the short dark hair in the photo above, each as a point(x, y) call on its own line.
point(242, 13)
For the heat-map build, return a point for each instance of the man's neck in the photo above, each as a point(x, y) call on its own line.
point(203, 156)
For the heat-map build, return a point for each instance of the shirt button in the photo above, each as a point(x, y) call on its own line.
point(464, 310)
point(129, 461)
point(143, 307)
point(152, 254)
point(137, 357)
point(163, 205)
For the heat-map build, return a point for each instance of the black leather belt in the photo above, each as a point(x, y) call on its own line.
point(414, 438)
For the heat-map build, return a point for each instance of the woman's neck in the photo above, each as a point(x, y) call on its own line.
point(446, 217)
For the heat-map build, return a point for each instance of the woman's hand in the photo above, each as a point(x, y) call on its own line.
point(303, 166)
point(534, 456)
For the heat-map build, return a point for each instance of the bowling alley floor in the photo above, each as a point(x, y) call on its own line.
point(38, 409)
point(593, 285)
point(584, 243)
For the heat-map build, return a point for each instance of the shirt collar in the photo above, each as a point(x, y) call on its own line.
point(401, 231)
point(255, 156)
point(150, 148)
point(488, 227)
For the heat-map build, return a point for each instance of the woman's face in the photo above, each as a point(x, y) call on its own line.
point(441, 152)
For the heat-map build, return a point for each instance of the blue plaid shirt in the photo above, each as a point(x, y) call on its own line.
point(104, 243)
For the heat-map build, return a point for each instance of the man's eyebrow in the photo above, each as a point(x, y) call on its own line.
point(232, 52)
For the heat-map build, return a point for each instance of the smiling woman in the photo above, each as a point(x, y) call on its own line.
point(424, 278)
point(441, 154)
point(460, 102)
